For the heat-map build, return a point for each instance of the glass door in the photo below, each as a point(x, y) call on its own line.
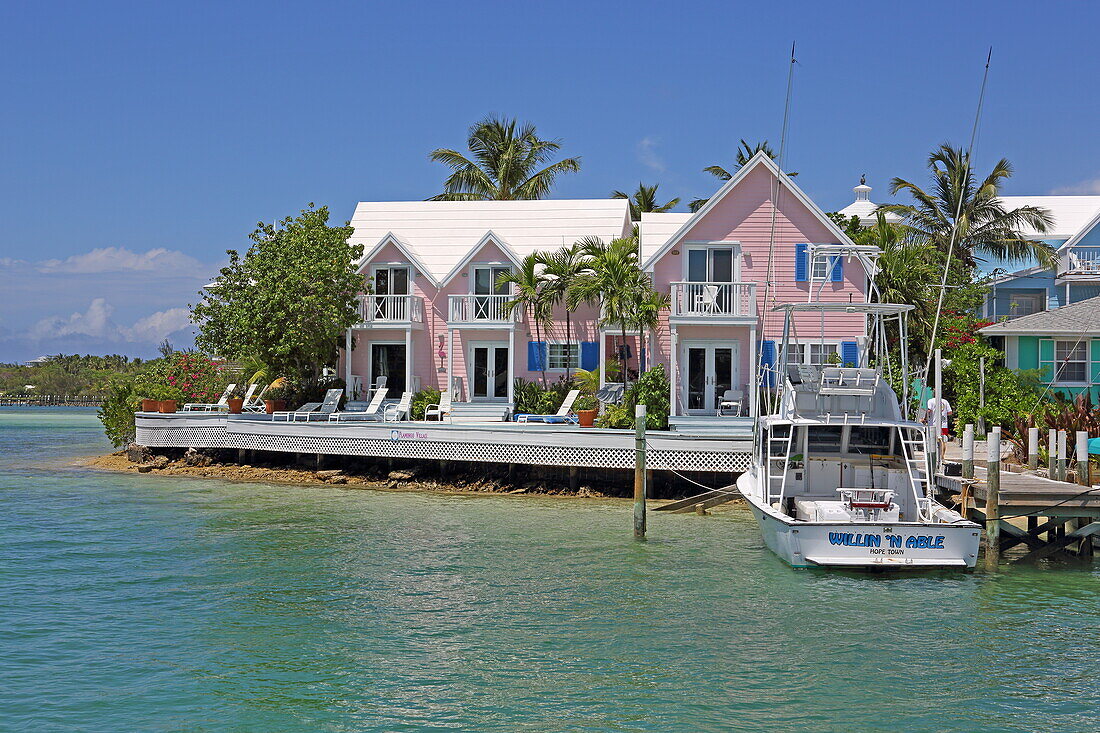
point(485, 283)
point(388, 360)
point(489, 371)
point(389, 284)
point(709, 370)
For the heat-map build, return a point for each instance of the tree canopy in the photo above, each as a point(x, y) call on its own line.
point(644, 201)
point(507, 161)
point(288, 300)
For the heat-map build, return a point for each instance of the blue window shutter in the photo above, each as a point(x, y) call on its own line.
point(801, 264)
point(767, 363)
point(536, 356)
point(836, 269)
point(590, 355)
point(849, 354)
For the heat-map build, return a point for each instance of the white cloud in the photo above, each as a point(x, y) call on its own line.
point(96, 323)
point(1084, 188)
point(647, 154)
point(119, 259)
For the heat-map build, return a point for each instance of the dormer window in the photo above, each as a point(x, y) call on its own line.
point(486, 280)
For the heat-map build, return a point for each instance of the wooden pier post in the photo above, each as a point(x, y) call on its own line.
point(1033, 448)
point(968, 451)
point(1052, 453)
point(639, 471)
point(992, 500)
point(1061, 465)
point(574, 478)
point(1082, 454)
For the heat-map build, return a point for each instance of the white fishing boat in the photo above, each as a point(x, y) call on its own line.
point(840, 474)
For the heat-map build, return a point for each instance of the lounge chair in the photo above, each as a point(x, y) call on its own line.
point(732, 400)
point(255, 403)
point(372, 413)
point(291, 414)
point(398, 410)
point(611, 393)
point(326, 408)
point(439, 410)
point(222, 403)
point(563, 415)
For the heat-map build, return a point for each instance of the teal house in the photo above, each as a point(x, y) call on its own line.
point(1064, 343)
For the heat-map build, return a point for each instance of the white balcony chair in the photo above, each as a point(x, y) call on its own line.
point(440, 410)
point(398, 410)
point(732, 400)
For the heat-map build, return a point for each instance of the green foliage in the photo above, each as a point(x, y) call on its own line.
point(644, 201)
point(288, 300)
point(183, 376)
point(117, 412)
point(1008, 394)
point(651, 389)
point(421, 400)
point(531, 398)
point(505, 163)
point(69, 374)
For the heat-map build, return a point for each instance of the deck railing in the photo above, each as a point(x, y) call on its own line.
point(482, 309)
point(713, 299)
point(1084, 261)
point(391, 309)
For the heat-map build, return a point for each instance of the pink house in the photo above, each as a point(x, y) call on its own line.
point(436, 318)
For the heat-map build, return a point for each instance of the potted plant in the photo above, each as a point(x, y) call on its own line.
point(275, 398)
point(236, 401)
point(586, 408)
point(150, 405)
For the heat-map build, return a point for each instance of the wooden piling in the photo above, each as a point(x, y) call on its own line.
point(1033, 448)
point(574, 478)
point(992, 500)
point(1061, 465)
point(1082, 455)
point(639, 471)
point(968, 451)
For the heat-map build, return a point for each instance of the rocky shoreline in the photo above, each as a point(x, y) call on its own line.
point(199, 464)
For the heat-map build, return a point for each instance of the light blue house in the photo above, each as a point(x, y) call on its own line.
point(1076, 235)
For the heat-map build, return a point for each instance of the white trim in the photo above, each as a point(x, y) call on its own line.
point(376, 266)
point(1081, 233)
point(471, 273)
point(709, 345)
point(387, 342)
point(734, 245)
point(470, 346)
point(490, 236)
point(391, 238)
point(760, 158)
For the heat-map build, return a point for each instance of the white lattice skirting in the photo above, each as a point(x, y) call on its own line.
point(462, 445)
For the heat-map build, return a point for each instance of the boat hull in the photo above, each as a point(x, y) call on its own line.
point(866, 545)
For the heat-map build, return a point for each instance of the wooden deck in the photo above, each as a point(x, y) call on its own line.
point(1053, 519)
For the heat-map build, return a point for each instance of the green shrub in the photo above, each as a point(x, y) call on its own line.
point(533, 399)
point(421, 400)
point(117, 412)
point(651, 389)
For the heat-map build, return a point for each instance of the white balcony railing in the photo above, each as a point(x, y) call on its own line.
point(717, 300)
point(482, 309)
point(1084, 261)
point(391, 309)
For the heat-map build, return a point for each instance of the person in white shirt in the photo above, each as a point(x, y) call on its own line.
point(939, 411)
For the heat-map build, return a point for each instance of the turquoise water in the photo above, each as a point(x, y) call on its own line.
point(143, 603)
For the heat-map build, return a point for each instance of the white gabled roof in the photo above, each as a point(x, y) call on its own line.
point(761, 158)
point(441, 234)
point(1071, 213)
point(654, 230)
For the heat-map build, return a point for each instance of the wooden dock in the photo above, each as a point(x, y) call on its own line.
point(1054, 519)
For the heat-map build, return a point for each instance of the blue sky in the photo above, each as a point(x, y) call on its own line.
point(141, 140)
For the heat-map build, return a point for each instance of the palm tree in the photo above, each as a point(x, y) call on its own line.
point(506, 163)
point(560, 272)
point(970, 213)
point(744, 154)
point(529, 295)
point(644, 201)
point(613, 283)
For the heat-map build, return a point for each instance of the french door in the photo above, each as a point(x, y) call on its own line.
point(485, 284)
point(388, 360)
point(709, 369)
point(391, 284)
point(489, 371)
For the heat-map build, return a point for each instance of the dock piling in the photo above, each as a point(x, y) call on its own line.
point(968, 451)
point(1061, 465)
point(1052, 453)
point(1033, 448)
point(992, 500)
point(1082, 455)
point(639, 471)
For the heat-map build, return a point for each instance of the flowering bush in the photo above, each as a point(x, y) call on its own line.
point(184, 377)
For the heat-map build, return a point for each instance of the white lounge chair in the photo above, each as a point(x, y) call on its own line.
point(564, 413)
point(371, 414)
point(732, 400)
point(324, 409)
point(399, 410)
point(439, 411)
point(223, 402)
point(255, 402)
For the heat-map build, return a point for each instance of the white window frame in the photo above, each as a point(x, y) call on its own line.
point(807, 349)
point(824, 261)
point(1083, 345)
point(575, 356)
point(733, 245)
point(409, 270)
point(475, 266)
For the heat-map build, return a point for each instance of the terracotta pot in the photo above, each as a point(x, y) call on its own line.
point(586, 418)
point(271, 406)
point(236, 405)
point(150, 405)
point(167, 406)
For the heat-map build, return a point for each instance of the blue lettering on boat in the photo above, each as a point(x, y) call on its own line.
point(848, 539)
point(925, 542)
